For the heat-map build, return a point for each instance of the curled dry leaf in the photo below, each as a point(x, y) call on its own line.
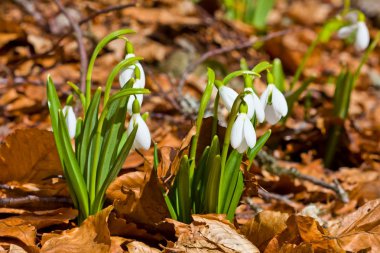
point(263, 227)
point(359, 230)
point(92, 236)
point(301, 233)
point(20, 233)
point(210, 233)
point(139, 247)
point(30, 156)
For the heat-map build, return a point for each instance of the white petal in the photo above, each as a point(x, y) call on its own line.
point(126, 75)
point(346, 31)
point(249, 133)
point(362, 37)
point(271, 115)
point(132, 123)
point(237, 131)
point(243, 147)
point(71, 120)
point(140, 83)
point(132, 98)
point(251, 108)
point(228, 96)
point(259, 109)
point(142, 139)
point(279, 102)
point(264, 97)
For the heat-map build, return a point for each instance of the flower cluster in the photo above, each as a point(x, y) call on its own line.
point(135, 71)
point(271, 106)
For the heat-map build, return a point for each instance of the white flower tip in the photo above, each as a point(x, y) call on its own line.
point(362, 37)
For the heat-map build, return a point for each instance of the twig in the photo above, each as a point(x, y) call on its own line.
point(223, 50)
point(32, 199)
point(278, 197)
point(81, 48)
point(269, 163)
point(30, 8)
point(106, 10)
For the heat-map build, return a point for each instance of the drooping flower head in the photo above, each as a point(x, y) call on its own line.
point(274, 103)
point(135, 71)
point(243, 134)
point(142, 138)
point(71, 120)
point(227, 95)
point(358, 28)
point(255, 107)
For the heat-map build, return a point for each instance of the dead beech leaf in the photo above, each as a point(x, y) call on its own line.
point(360, 229)
point(92, 236)
point(263, 227)
point(139, 247)
point(19, 233)
point(303, 230)
point(29, 156)
point(211, 234)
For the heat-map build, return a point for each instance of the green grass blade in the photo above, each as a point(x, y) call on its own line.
point(252, 152)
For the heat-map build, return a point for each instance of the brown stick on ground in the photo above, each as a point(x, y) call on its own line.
point(269, 163)
point(223, 50)
point(81, 48)
point(32, 199)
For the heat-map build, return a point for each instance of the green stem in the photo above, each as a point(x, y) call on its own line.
point(215, 118)
point(110, 37)
point(302, 65)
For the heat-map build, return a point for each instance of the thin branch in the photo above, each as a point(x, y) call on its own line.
point(223, 50)
point(32, 199)
point(81, 48)
point(270, 164)
point(278, 197)
point(106, 10)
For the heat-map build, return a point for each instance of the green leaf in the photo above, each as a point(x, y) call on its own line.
point(330, 28)
point(292, 98)
point(238, 191)
point(237, 73)
point(84, 153)
point(263, 7)
point(183, 178)
point(227, 183)
point(262, 66)
point(212, 186)
point(278, 74)
point(199, 176)
point(252, 152)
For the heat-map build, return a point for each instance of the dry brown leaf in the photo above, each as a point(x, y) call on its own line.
point(303, 230)
point(359, 230)
point(19, 233)
point(209, 233)
point(139, 247)
point(116, 244)
point(261, 229)
point(92, 236)
point(30, 156)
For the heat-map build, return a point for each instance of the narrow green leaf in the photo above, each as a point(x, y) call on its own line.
point(262, 66)
point(184, 190)
point(252, 152)
point(212, 186)
point(263, 7)
point(238, 191)
point(237, 73)
point(278, 75)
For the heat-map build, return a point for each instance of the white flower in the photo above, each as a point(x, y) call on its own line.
point(127, 74)
point(142, 139)
point(254, 105)
point(71, 120)
point(361, 34)
point(243, 134)
point(228, 96)
point(274, 104)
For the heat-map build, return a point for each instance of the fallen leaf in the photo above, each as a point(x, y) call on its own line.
point(263, 227)
point(359, 230)
point(139, 247)
point(210, 233)
point(303, 230)
point(92, 236)
point(29, 156)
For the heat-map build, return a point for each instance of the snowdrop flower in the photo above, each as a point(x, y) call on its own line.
point(142, 138)
point(227, 95)
point(71, 120)
point(127, 74)
point(254, 105)
point(243, 134)
point(274, 104)
point(359, 28)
